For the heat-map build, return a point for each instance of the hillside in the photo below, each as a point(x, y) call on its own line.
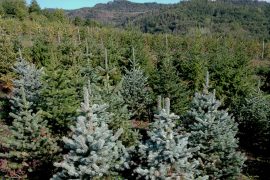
point(115, 12)
point(243, 18)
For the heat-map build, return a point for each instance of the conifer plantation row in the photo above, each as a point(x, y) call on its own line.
point(97, 102)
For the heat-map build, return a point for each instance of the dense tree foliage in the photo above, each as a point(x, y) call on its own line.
point(34, 7)
point(61, 55)
point(134, 89)
point(30, 143)
point(165, 154)
point(94, 150)
point(214, 131)
point(14, 8)
point(253, 114)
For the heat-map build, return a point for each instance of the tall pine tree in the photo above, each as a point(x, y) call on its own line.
point(167, 82)
point(253, 116)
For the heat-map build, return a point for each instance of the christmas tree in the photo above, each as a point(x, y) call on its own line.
point(167, 83)
point(30, 78)
point(165, 154)
point(253, 116)
point(30, 143)
point(214, 131)
point(134, 89)
point(60, 97)
point(111, 95)
point(94, 150)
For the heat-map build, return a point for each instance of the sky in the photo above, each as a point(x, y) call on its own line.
point(74, 4)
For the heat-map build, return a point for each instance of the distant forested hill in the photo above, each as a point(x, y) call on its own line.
point(247, 18)
point(115, 12)
point(241, 17)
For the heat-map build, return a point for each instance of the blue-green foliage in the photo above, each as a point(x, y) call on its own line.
point(165, 154)
point(214, 131)
point(29, 77)
point(30, 143)
point(134, 89)
point(94, 150)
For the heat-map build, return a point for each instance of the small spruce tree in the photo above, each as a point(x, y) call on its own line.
point(165, 154)
point(29, 77)
point(111, 95)
point(95, 152)
point(134, 89)
point(30, 143)
point(214, 131)
point(253, 116)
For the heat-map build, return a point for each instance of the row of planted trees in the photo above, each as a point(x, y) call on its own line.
point(102, 143)
point(175, 67)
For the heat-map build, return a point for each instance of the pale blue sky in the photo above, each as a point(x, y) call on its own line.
point(74, 4)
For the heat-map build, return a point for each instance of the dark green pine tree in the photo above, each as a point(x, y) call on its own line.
point(167, 83)
point(135, 90)
point(34, 7)
point(7, 58)
point(253, 116)
point(30, 143)
point(86, 66)
point(60, 97)
point(106, 72)
point(214, 131)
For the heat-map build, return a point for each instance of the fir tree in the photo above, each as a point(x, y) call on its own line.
point(168, 84)
point(111, 95)
point(87, 69)
point(166, 155)
point(134, 89)
point(253, 116)
point(94, 150)
point(30, 143)
point(60, 98)
point(120, 117)
point(214, 131)
point(29, 77)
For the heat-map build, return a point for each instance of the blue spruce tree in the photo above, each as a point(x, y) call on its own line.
point(30, 143)
point(29, 77)
point(165, 154)
point(214, 131)
point(134, 89)
point(94, 151)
